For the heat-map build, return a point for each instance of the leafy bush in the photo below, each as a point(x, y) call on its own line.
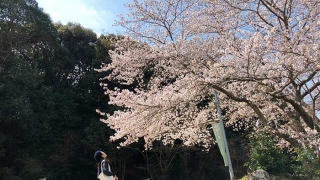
point(264, 155)
point(307, 164)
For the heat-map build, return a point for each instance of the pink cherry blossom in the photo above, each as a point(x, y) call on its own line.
point(261, 56)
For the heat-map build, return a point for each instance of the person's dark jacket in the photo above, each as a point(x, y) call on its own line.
point(104, 165)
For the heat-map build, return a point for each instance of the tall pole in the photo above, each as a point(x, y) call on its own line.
point(224, 135)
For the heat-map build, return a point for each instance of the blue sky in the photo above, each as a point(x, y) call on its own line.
point(98, 15)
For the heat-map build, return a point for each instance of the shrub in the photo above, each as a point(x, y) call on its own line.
point(264, 155)
point(307, 164)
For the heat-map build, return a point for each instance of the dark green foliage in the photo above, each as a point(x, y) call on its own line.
point(307, 164)
point(238, 149)
point(25, 31)
point(266, 156)
point(299, 163)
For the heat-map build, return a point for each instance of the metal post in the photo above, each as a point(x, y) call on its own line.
point(224, 136)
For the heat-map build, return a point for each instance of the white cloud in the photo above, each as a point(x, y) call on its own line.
point(79, 12)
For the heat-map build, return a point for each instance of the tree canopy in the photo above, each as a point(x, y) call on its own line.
point(261, 56)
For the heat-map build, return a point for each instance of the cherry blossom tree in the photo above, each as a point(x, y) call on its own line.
point(263, 57)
